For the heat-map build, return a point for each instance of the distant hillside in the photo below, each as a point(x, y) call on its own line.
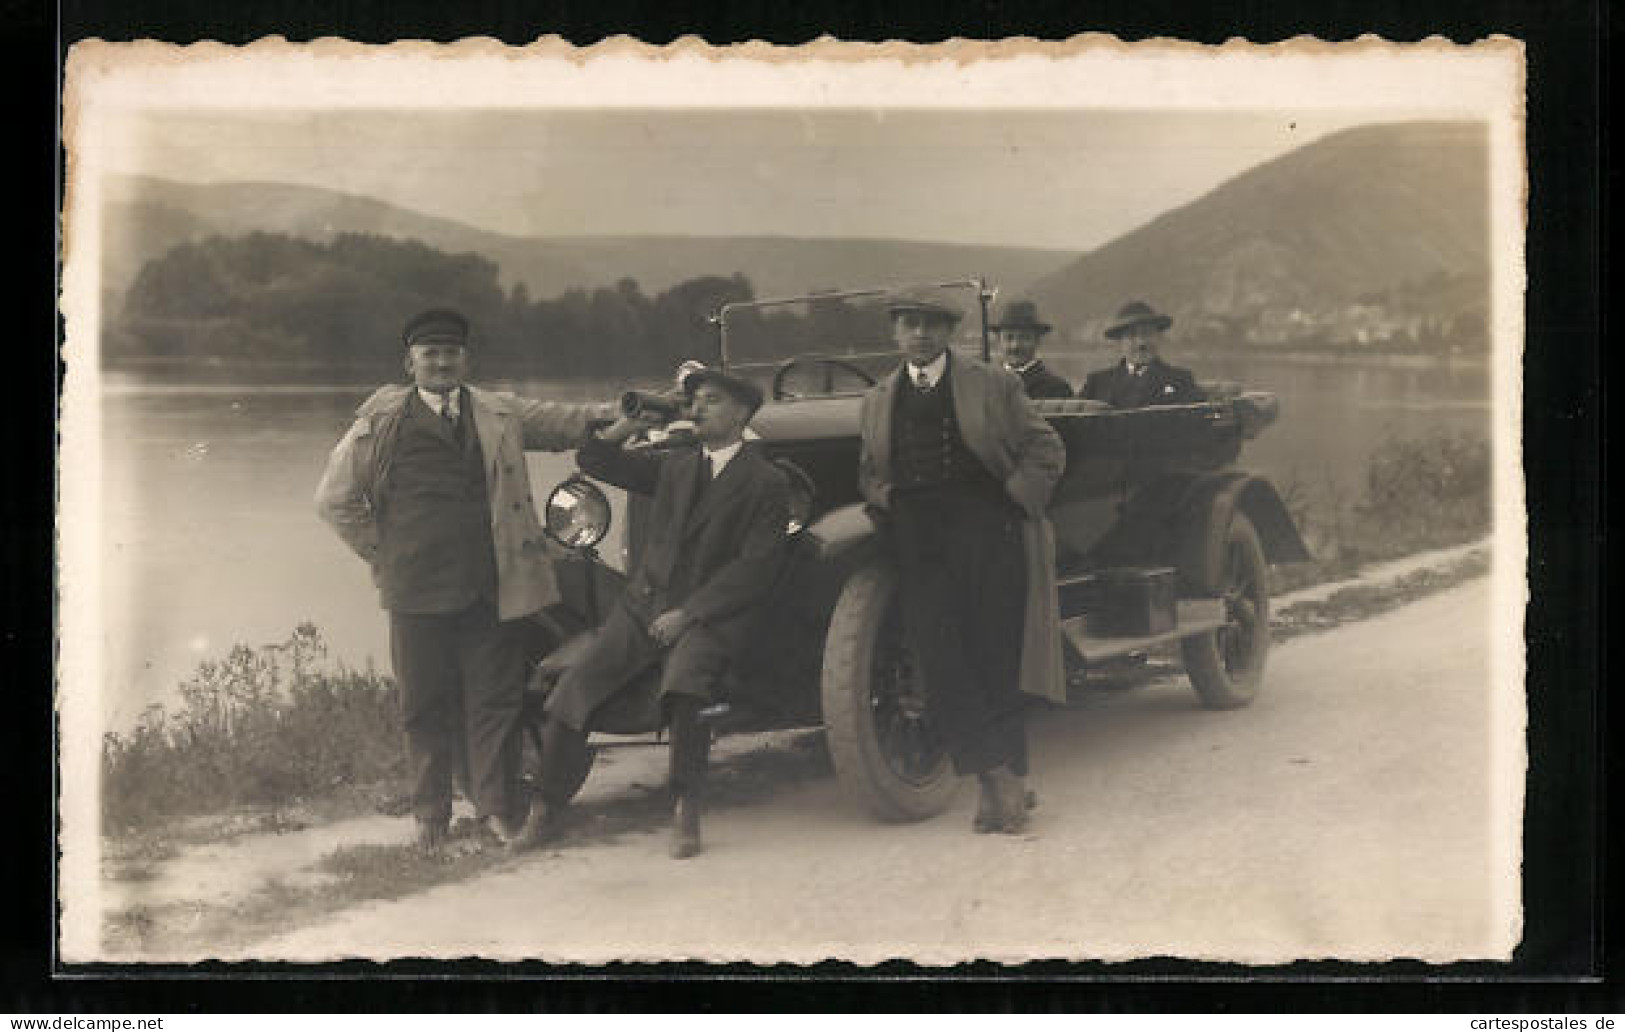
point(1366, 234)
point(145, 217)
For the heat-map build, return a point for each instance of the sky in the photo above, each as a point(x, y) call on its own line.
point(1069, 179)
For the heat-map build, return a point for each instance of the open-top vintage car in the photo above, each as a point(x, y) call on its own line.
point(1160, 538)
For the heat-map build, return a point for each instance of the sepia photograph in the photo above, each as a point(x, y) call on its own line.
point(999, 501)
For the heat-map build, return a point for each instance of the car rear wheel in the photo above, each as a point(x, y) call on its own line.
point(887, 756)
point(1226, 665)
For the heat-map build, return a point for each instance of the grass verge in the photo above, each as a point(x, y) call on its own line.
point(365, 872)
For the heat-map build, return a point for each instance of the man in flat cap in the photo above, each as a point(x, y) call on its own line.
point(429, 487)
point(717, 544)
point(1141, 378)
point(959, 468)
point(1020, 332)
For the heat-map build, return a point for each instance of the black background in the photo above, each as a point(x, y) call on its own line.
point(1565, 961)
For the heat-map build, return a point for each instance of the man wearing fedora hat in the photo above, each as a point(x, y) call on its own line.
point(958, 467)
point(717, 542)
point(429, 487)
point(1020, 332)
point(1141, 378)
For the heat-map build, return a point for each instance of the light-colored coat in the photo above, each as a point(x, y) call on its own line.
point(1002, 429)
point(507, 425)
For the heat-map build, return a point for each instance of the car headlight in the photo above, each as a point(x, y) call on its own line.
point(577, 513)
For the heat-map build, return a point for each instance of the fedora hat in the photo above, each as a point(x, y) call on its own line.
point(1020, 315)
point(1137, 313)
point(930, 300)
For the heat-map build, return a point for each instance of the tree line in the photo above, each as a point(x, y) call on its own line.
point(272, 301)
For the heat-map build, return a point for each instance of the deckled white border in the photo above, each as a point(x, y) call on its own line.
point(109, 83)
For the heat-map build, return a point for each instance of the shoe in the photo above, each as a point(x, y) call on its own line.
point(987, 805)
point(1011, 797)
point(504, 830)
point(685, 828)
point(431, 835)
point(543, 825)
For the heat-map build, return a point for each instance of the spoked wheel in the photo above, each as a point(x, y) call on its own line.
point(886, 753)
point(1226, 665)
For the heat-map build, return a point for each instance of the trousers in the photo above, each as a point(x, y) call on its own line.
point(692, 669)
point(962, 585)
point(621, 650)
point(461, 679)
point(564, 753)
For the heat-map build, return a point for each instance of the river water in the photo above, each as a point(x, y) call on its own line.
point(209, 537)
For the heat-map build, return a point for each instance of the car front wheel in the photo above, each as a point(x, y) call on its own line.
point(887, 755)
point(1226, 665)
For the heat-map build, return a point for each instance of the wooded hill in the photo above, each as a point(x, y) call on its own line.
point(143, 218)
point(1378, 230)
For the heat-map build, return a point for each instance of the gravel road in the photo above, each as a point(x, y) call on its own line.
point(1348, 813)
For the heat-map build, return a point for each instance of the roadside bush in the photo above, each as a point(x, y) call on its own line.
point(1419, 493)
point(268, 725)
point(1425, 493)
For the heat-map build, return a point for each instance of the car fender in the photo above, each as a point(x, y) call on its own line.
point(843, 533)
point(1210, 504)
point(587, 589)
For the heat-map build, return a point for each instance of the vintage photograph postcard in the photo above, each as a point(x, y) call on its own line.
point(988, 500)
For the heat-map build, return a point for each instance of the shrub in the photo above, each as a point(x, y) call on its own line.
point(1419, 493)
point(1425, 493)
point(268, 725)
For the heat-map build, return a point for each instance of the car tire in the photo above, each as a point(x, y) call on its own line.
point(1226, 665)
point(885, 754)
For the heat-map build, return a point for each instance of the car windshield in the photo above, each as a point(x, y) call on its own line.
point(850, 327)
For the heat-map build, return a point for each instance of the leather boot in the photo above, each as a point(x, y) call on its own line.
point(987, 805)
point(690, 748)
point(685, 827)
point(545, 823)
point(1010, 793)
point(431, 835)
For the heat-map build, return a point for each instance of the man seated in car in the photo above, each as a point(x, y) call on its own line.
point(1142, 378)
point(1020, 332)
point(716, 546)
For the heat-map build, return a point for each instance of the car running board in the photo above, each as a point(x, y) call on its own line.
point(1192, 616)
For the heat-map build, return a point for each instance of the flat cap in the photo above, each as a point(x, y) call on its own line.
point(930, 300)
point(742, 391)
point(436, 326)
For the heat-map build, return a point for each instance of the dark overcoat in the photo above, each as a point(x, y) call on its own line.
point(1159, 384)
point(715, 557)
point(1020, 449)
point(714, 549)
point(1039, 382)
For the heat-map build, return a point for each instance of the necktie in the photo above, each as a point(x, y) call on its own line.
point(449, 414)
point(922, 381)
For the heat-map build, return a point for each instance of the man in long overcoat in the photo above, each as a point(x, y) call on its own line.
point(1020, 333)
point(429, 488)
point(716, 547)
point(1141, 378)
point(960, 469)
